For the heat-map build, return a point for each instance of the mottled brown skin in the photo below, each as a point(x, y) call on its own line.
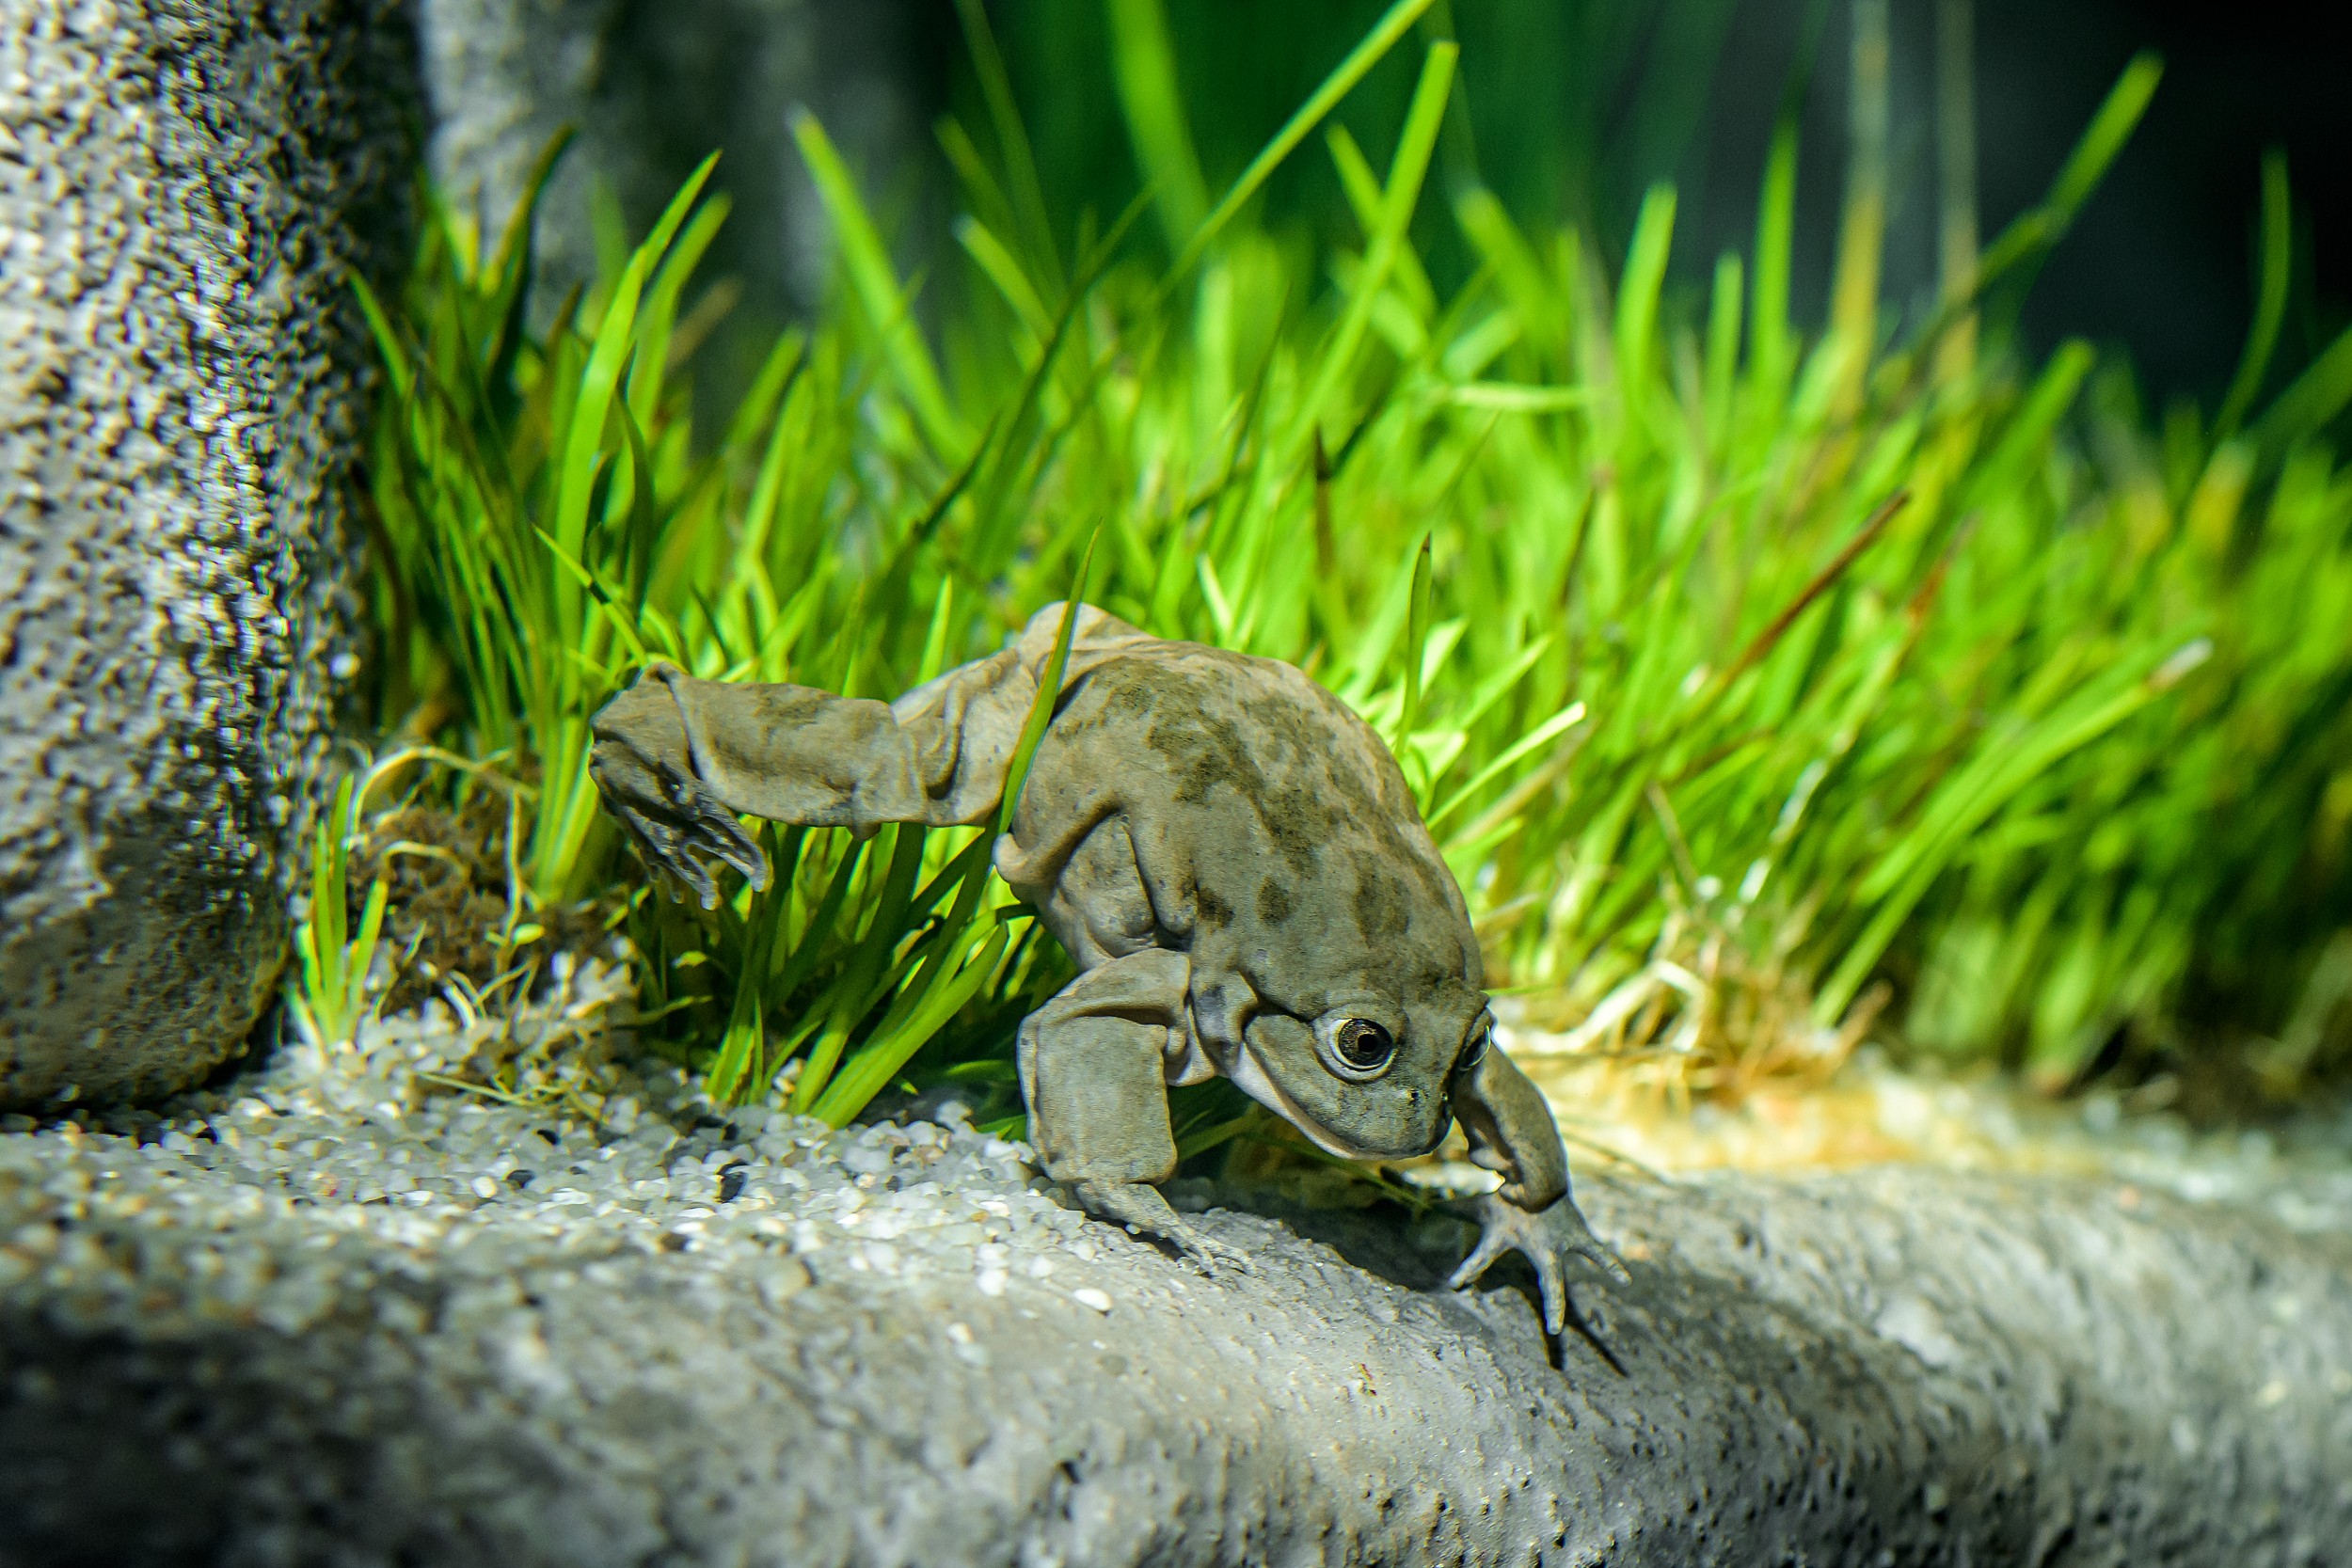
point(1229, 854)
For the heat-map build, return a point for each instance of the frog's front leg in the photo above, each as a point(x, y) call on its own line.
point(1094, 1072)
point(1511, 1132)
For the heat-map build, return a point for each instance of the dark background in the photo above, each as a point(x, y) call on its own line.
point(1573, 108)
point(1577, 105)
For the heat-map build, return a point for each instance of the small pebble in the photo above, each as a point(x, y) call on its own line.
point(1087, 1295)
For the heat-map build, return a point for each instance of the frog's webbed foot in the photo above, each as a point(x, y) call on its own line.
point(1545, 1237)
point(645, 769)
point(1093, 1077)
point(1148, 1210)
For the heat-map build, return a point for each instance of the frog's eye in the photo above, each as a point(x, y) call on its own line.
point(1364, 1045)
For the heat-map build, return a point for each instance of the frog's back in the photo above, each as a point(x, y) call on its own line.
point(1187, 796)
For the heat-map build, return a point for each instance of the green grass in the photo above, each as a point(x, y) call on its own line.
point(327, 996)
point(1713, 650)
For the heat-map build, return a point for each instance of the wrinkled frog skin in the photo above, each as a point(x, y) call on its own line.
point(1227, 853)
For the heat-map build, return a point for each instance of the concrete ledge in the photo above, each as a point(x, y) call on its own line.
point(751, 1343)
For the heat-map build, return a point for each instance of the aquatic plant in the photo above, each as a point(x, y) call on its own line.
point(1739, 670)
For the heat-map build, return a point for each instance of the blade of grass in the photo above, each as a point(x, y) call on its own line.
point(880, 1062)
point(2032, 233)
point(1143, 63)
point(2270, 302)
point(1393, 25)
point(1012, 140)
point(876, 285)
point(1407, 170)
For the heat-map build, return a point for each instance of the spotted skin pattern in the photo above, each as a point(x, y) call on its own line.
point(1229, 854)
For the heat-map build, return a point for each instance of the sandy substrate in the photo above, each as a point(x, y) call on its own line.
point(1870, 1113)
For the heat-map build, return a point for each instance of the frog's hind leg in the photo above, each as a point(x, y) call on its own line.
point(1093, 1071)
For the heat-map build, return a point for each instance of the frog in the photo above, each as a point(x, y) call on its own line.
point(1230, 855)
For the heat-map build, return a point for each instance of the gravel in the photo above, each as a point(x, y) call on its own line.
point(318, 1178)
point(338, 1312)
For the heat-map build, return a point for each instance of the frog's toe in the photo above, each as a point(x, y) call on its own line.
point(1596, 1251)
point(680, 830)
point(709, 829)
point(1498, 1235)
point(1144, 1211)
point(1206, 1253)
point(662, 848)
point(727, 844)
point(673, 858)
point(1545, 1238)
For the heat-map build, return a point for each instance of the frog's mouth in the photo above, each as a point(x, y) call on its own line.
point(1251, 1080)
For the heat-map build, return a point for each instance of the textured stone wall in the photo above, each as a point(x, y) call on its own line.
point(183, 186)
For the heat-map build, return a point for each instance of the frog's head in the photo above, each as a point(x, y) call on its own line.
point(1365, 1077)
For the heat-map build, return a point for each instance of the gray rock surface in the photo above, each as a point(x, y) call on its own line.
point(182, 188)
point(324, 1317)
